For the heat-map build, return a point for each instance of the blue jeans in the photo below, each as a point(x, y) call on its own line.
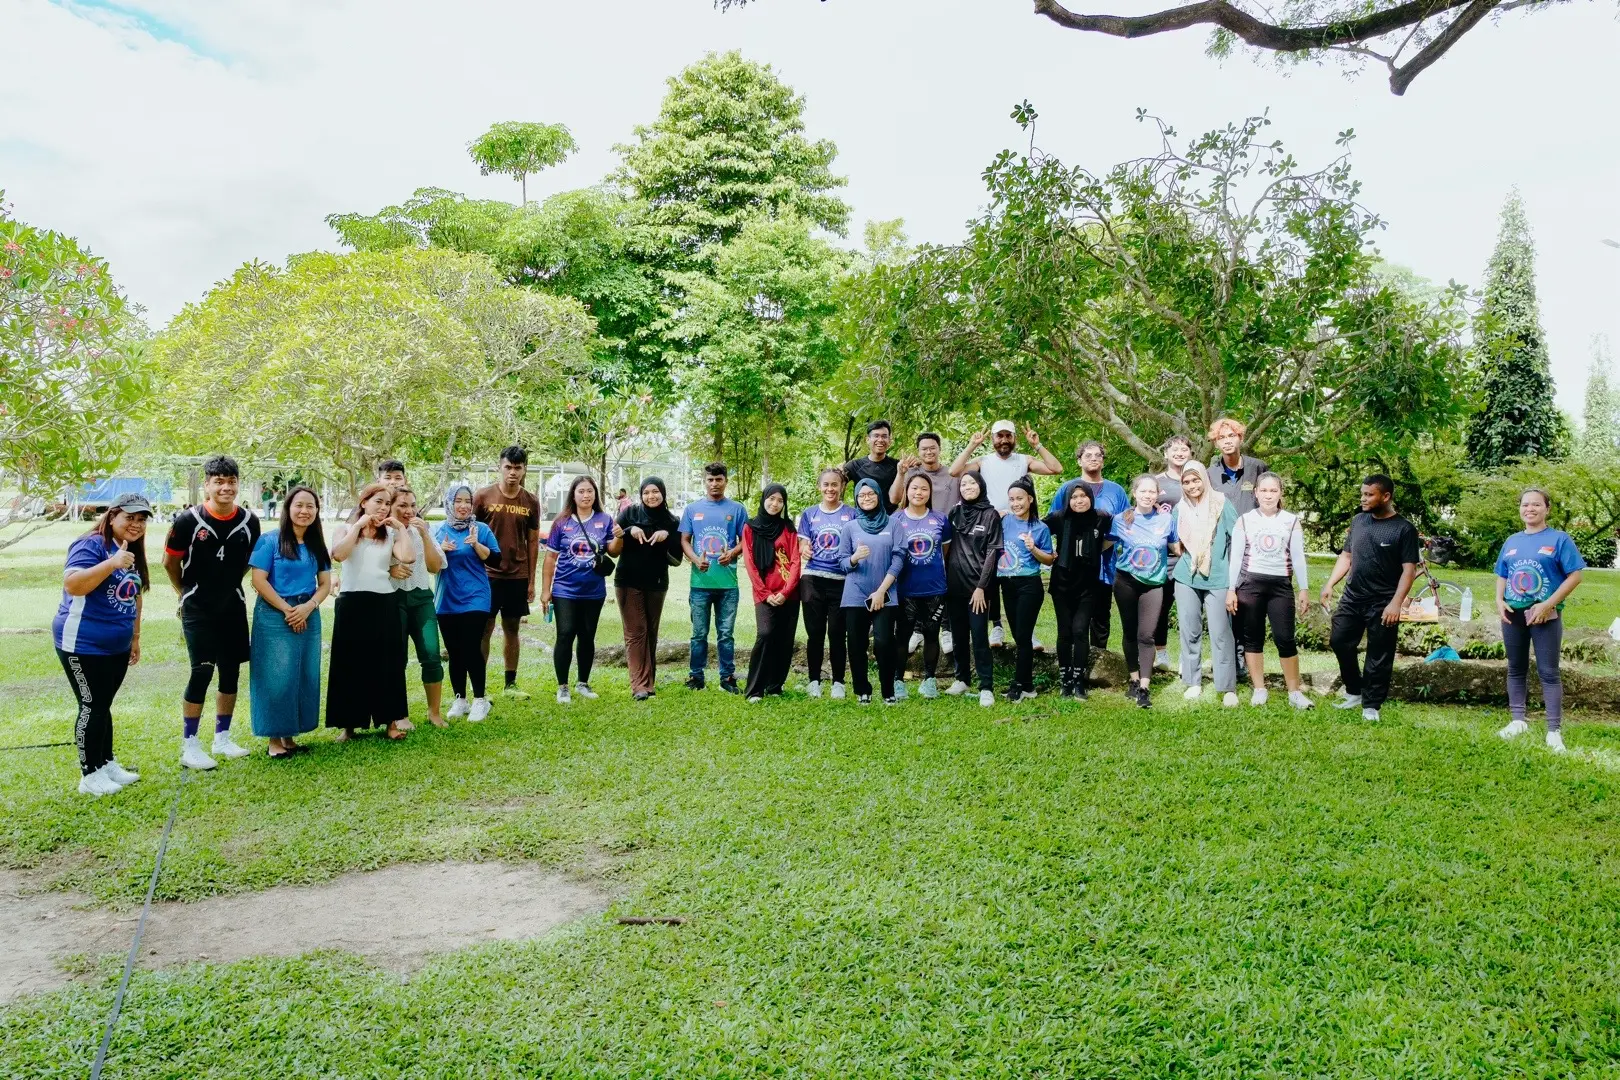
point(724, 603)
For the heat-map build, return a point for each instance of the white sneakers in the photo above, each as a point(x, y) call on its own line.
point(562, 696)
point(1555, 739)
point(987, 698)
point(755, 700)
point(480, 711)
point(1298, 700)
point(899, 690)
point(1027, 695)
point(1349, 701)
point(458, 707)
point(1161, 660)
point(947, 643)
point(838, 691)
point(1259, 697)
point(99, 783)
point(1035, 644)
point(1193, 693)
point(1370, 715)
point(997, 637)
point(915, 643)
point(192, 755)
point(583, 690)
point(226, 747)
point(928, 688)
point(118, 774)
point(957, 688)
point(814, 689)
point(1229, 700)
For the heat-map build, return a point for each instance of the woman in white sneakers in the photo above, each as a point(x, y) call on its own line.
point(1268, 560)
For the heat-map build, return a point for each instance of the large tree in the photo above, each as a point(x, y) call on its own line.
point(73, 367)
point(1518, 418)
point(1405, 36)
point(1215, 278)
point(340, 360)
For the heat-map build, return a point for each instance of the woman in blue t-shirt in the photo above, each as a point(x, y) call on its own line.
point(292, 573)
point(98, 632)
point(1026, 546)
point(1535, 573)
point(571, 584)
point(462, 599)
point(1144, 540)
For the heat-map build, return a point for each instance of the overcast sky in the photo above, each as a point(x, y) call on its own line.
point(181, 138)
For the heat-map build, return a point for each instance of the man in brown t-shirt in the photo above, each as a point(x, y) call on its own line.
point(513, 515)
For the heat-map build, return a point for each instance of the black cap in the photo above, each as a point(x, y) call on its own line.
point(132, 502)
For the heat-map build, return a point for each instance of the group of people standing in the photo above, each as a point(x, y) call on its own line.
point(928, 557)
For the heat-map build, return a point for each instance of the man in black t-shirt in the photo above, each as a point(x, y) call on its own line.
point(206, 556)
point(1380, 557)
point(877, 465)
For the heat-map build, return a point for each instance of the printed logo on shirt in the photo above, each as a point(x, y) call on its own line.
point(1268, 542)
point(580, 548)
point(1526, 579)
point(920, 547)
point(1007, 560)
point(1145, 561)
point(712, 544)
point(124, 591)
point(826, 540)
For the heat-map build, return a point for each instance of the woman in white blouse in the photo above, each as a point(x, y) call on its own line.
point(366, 681)
point(1268, 559)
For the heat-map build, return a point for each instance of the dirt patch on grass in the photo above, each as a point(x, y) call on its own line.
point(396, 918)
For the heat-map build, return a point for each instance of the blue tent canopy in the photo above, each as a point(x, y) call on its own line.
point(105, 491)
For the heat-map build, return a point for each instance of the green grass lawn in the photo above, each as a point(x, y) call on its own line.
point(928, 890)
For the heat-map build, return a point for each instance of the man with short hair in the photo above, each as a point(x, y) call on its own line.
point(391, 472)
point(711, 538)
point(1380, 559)
point(1232, 472)
point(998, 471)
point(926, 463)
point(206, 557)
point(513, 515)
point(877, 465)
point(1108, 498)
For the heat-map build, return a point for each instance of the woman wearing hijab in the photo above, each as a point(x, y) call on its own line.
point(462, 600)
point(652, 544)
point(1204, 520)
point(771, 545)
point(868, 555)
point(970, 573)
point(1080, 537)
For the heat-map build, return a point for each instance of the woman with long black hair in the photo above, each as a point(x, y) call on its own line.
point(651, 545)
point(570, 581)
point(970, 578)
point(98, 632)
point(292, 573)
point(1026, 547)
point(1080, 539)
point(366, 683)
point(771, 551)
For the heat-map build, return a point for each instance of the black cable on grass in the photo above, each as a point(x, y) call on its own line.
point(140, 928)
point(35, 746)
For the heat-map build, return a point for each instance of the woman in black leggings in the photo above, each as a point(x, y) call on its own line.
point(1144, 540)
point(572, 584)
point(1080, 538)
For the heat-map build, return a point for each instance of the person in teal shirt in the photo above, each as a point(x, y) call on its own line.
point(711, 539)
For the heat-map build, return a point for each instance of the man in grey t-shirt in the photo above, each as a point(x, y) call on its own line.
point(927, 463)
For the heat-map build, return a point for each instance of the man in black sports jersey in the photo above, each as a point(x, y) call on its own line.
point(206, 557)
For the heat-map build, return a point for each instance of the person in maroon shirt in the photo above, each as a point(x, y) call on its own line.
point(771, 552)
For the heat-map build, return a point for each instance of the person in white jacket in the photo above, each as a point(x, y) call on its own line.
point(1268, 561)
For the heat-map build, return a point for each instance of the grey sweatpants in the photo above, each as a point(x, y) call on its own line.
point(1548, 638)
point(1193, 607)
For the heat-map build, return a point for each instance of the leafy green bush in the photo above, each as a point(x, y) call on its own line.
point(1585, 504)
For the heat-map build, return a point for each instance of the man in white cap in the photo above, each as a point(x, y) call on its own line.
point(998, 471)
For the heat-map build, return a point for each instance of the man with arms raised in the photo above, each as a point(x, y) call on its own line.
point(999, 470)
point(206, 557)
point(1380, 558)
point(877, 465)
point(513, 515)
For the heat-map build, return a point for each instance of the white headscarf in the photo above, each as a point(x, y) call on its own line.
point(1196, 522)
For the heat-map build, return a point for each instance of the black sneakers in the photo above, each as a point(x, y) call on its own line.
point(694, 682)
point(730, 686)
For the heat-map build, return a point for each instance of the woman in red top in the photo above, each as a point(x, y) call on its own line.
point(772, 554)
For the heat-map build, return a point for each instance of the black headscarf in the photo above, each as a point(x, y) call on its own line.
point(970, 513)
point(767, 527)
point(877, 520)
point(1068, 525)
point(651, 519)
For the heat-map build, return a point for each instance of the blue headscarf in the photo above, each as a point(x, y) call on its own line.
point(877, 520)
point(450, 506)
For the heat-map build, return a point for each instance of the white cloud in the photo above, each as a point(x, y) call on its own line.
point(180, 138)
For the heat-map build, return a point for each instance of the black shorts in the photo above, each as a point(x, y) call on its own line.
point(508, 599)
point(216, 633)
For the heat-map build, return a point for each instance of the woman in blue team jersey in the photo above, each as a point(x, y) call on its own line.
point(1144, 539)
point(821, 589)
point(1535, 573)
point(1026, 546)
